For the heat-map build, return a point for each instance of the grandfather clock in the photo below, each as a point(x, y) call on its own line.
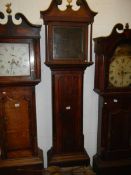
point(68, 52)
point(113, 84)
point(19, 74)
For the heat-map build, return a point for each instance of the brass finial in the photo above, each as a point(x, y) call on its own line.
point(69, 2)
point(8, 8)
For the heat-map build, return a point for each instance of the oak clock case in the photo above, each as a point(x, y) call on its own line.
point(67, 50)
point(19, 74)
point(113, 85)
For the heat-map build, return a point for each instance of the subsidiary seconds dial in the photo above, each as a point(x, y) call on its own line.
point(14, 59)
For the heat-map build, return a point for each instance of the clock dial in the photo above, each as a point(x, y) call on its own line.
point(120, 67)
point(14, 59)
point(67, 43)
point(120, 71)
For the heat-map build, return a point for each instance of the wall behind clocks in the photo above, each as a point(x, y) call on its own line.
point(110, 12)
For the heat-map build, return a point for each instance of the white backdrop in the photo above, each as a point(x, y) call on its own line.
point(110, 12)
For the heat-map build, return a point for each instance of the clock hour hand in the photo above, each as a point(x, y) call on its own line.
point(13, 55)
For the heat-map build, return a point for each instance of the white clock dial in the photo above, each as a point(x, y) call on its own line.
point(14, 59)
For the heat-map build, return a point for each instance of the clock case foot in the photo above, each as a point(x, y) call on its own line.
point(111, 167)
point(23, 166)
point(68, 159)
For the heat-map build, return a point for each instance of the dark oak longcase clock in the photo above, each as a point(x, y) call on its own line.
point(113, 84)
point(67, 54)
point(19, 74)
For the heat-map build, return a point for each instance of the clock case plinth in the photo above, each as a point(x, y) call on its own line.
point(68, 55)
point(114, 117)
point(18, 131)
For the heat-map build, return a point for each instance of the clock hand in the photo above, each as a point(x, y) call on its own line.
point(13, 55)
point(14, 62)
point(11, 67)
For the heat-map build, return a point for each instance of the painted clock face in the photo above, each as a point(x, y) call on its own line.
point(14, 59)
point(120, 67)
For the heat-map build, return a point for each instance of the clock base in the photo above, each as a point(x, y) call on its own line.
point(22, 166)
point(111, 167)
point(68, 159)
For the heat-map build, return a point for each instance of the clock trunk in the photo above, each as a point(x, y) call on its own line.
point(68, 138)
